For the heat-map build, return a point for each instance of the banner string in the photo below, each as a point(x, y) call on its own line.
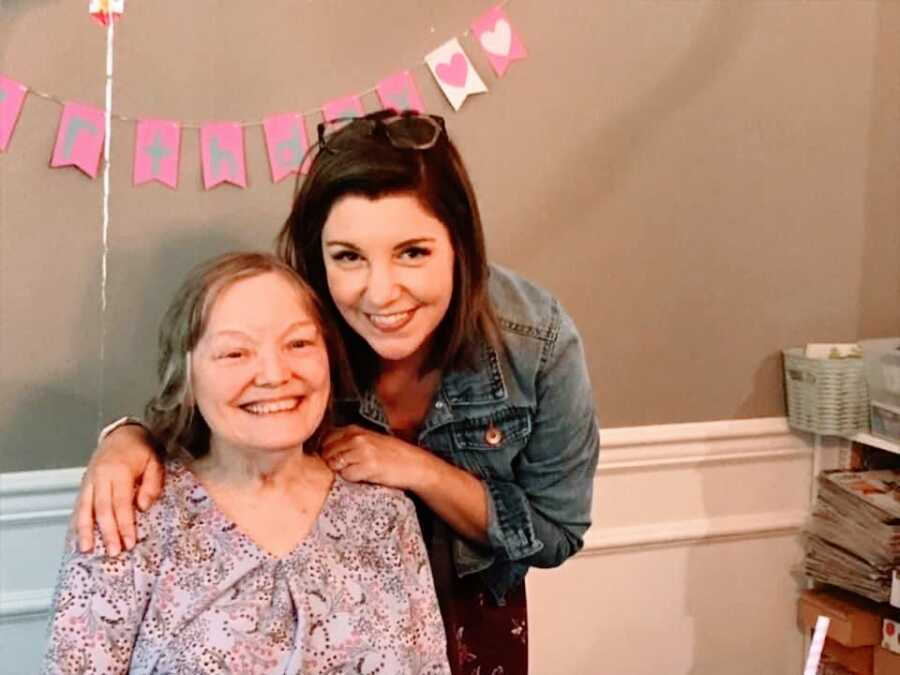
point(198, 125)
point(104, 257)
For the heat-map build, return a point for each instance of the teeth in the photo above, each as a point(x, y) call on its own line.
point(269, 407)
point(389, 320)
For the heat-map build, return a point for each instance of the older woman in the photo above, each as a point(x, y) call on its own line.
point(257, 558)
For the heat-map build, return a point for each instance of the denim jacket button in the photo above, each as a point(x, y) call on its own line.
point(439, 405)
point(493, 436)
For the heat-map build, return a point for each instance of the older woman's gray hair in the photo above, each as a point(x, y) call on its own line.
point(171, 415)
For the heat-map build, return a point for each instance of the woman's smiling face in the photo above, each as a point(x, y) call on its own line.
point(389, 264)
point(260, 372)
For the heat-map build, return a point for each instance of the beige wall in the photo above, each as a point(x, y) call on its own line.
point(701, 183)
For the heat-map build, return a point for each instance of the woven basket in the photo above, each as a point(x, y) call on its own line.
point(825, 396)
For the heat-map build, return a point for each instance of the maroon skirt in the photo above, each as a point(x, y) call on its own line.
point(483, 638)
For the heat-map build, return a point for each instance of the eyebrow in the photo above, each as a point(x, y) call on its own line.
point(402, 244)
point(294, 326)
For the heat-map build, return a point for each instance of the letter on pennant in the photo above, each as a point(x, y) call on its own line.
point(222, 154)
point(12, 96)
point(156, 152)
point(399, 92)
point(454, 73)
point(286, 144)
point(497, 38)
point(79, 141)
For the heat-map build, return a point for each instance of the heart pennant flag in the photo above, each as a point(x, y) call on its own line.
point(399, 92)
point(499, 41)
point(286, 144)
point(156, 152)
point(454, 73)
point(79, 141)
point(222, 154)
point(12, 96)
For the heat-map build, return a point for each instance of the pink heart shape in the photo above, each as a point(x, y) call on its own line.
point(455, 72)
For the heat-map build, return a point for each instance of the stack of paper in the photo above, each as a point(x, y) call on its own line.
point(853, 538)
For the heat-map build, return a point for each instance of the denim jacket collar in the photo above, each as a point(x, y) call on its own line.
point(458, 388)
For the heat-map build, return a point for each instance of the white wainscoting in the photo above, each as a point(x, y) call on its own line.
point(688, 567)
point(34, 510)
point(687, 570)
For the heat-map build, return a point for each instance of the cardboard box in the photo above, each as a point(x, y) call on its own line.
point(857, 660)
point(885, 662)
point(855, 621)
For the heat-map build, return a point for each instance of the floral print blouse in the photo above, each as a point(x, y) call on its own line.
point(197, 596)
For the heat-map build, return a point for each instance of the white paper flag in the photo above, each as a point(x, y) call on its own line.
point(454, 73)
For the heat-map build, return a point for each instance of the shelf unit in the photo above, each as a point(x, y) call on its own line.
point(875, 442)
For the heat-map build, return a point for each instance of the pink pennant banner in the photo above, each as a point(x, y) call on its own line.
point(79, 141)
point(499, 41)
point(349, 106)
point(286, 144)
point(12, 97)
point(222, 153)
point(156, 152)
point(399, 92)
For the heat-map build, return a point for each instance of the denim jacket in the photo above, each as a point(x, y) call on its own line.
point(523, 423)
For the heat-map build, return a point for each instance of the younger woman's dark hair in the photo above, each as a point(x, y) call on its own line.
point(361, 159)
point(172, 417)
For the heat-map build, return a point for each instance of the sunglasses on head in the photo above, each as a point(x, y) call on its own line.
point(407, 130)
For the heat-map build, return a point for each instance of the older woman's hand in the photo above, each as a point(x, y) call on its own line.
point(122, 461)
point(358, 455)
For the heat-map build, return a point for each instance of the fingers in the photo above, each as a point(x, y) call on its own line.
point(355, 473)
point(84, 517)
point(151, 484)
point(338, 441)
point(106, 521)
point(123, 513)
point(339, 461)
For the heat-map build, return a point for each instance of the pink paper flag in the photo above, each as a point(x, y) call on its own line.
point(222, 153)
point(79, 141)
point(399, 92)
point(496, 36)
point(349, 106)
point(454, 73)
point(156, 152)
point(12, 96)
point(286, 144)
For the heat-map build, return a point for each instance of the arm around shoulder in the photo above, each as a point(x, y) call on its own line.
point(124, 460)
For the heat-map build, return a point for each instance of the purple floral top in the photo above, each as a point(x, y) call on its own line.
point(198, 596)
